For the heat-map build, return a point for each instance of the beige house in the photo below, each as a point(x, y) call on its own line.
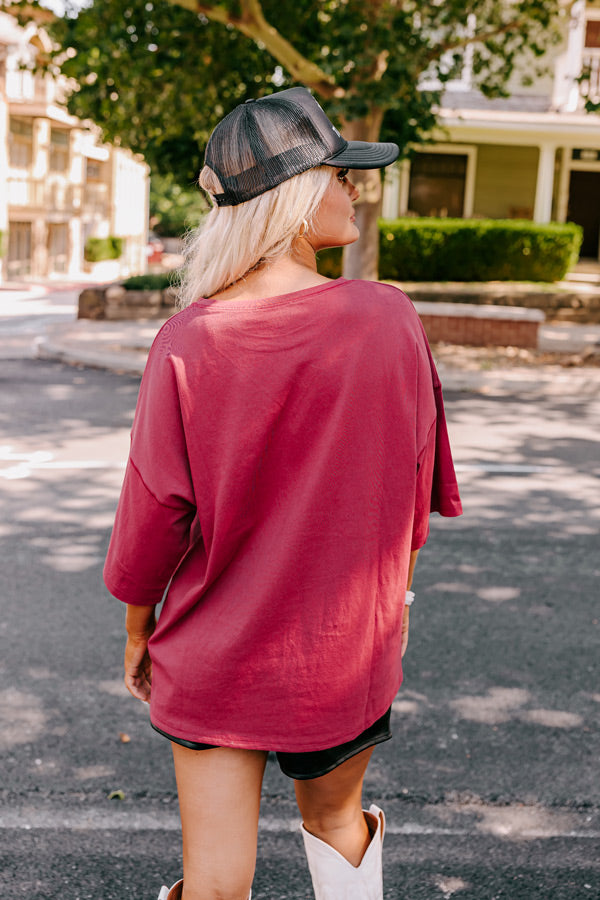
point(534, 155)
point(59, 185)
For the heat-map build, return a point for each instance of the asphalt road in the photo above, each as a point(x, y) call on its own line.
point(490, 784)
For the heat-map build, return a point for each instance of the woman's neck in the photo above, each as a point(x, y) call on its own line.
point(283, 276)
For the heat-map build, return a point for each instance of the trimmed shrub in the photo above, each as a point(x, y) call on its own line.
point(426, 249)
point(97, 249)
point(151, 282)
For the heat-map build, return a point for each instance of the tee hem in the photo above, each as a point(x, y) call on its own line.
point(275, 744)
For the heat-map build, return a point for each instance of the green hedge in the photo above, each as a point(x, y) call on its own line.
point(151, 282)
point(424, 249)
point(97, 249)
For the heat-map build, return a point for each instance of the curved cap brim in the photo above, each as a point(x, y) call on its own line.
point(364, 155)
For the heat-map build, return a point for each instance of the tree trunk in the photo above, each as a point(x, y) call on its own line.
point(361, 258)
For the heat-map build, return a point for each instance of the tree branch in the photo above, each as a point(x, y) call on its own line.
point(30, 12)
point(380, 64)
point(254, 25)
point(474, 38)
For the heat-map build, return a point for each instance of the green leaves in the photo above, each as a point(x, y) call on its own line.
point(157, 76)
point(154, 78)
point(175, 208)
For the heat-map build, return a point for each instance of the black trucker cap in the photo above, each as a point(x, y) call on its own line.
point(263, 142)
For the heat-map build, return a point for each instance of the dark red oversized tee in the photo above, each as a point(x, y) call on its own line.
point(286, 454)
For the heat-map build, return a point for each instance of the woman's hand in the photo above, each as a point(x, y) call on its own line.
point(140, 623)
point(405, 619)
point(138, 669)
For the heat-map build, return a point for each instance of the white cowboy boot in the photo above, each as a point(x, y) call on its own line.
point(171, 894)
point(175, 892)
point(334, 878)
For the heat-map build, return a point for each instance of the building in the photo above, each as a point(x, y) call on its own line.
point(534, 155)
point(59, 184)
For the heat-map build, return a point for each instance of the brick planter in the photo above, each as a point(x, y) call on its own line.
point(480, 326)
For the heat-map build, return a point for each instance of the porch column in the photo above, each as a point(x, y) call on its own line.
point(544, 185)
point(391, 192)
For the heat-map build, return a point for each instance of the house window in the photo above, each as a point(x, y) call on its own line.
point(584, 209)
point(437, 184)
point(58, 247)
point(95, 195)
point(59, 150)
point(586, 155)
point(19, 249)
point(94, 170)
point(592, 34)
point(20, 143)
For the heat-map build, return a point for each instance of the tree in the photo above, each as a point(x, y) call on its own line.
point(158, 75)
point(174, 209)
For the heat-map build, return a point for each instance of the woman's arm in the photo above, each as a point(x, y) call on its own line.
point(411, 568)
point(406, 616)
point(140, 622)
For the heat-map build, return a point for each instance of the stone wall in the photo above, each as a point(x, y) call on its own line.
point(114, 303)
point(559, 303)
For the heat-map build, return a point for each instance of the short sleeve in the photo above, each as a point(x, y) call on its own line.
point(148, 541)
point(437, 488)
point(156, 508)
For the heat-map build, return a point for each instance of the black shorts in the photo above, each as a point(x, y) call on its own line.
point(316, 762)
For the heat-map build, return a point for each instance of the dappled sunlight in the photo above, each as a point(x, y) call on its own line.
point(551, 718)
point(563, 498)
point(45, 768)
point(451, 587)
point(68, 553)
point(70, 559)
point(498, 594)
point(492, 708)
point(469, 569)
point(405, 707)
point(22, 718)
point(517, 822)
point(115, 688)
point(87, 773)
point(51, 403)
point(59, 392)
point(449, 886)
point(65, 528)
point(42, 515)
point(526, 433)
point(39, 673)
point(501, 705)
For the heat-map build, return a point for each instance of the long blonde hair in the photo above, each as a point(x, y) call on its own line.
point(233, 240)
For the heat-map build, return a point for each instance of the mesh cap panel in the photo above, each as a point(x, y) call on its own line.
point(262, 143)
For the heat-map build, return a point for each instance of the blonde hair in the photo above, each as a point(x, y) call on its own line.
point(233, 240)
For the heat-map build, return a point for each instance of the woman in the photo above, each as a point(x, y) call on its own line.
point(288, 445)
